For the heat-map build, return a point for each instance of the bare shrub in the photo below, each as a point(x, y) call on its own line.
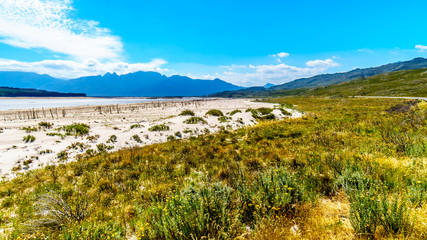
point(55, 209)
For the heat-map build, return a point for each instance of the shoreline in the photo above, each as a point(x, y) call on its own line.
point(39, 102)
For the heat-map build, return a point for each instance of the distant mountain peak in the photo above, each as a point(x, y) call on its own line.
point(137, 84)
point(268, 85)
point(108, 74)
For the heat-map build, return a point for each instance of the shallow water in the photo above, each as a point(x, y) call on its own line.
point(38, 103)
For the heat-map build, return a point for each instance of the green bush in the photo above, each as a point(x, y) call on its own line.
point(63, 155)
point(195, 120)
point(77, 129)
point(55, 134)
point(93, 231)
point(264, 111)
point(45, 124)
point(158, 128)
point(371, 208)
point(29, 139)
point(284, 112)
point(171, 138)
point(136, 138)
point(135, 126)
point(29, 129)
point(215, 113)
point(273, 192)
point(187, 113)
point(224, 119)
point(199, 212)
point(112, 139)
point(103, 148)
point(234, 112)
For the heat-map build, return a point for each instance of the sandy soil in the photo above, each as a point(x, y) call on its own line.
point(105, 121)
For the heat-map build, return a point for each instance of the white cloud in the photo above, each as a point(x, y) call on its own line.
point(48, 24)
point(281, 55)
point(233, 67)
point(421, 48)
point(322, 63)
point(365, 50)
point(74, 69)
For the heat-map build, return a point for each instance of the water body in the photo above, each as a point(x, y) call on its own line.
point(38, 103)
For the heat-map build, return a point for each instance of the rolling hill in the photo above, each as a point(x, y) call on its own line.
point(299, 86)
point(402, 83)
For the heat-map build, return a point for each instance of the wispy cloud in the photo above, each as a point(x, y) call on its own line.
point(365, 50)
point(280, 55)
point(73, 69)
point(48, 24)
point(322, 63)
point(421, 48)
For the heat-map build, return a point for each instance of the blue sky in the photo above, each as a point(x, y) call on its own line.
point(244, 42)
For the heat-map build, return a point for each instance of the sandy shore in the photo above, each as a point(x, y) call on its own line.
point(122, 121)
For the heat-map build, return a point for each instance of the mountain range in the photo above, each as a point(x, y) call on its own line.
point(300, 85)
point(153, 84)
point(147, 84)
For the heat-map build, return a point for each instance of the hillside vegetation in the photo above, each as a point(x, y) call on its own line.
point(348, 168)
point(411, 83)
point(403, 83)
point(336, 78)
point(28, 92)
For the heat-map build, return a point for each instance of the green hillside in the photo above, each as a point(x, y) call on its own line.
point(411, 83)
point(29, 92)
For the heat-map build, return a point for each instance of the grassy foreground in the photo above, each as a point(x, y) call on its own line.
point(350, 168)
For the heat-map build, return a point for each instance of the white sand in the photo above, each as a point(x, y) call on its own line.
point(106, 121)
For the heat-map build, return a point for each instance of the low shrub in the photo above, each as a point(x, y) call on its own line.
point(112, 139)
point(77, 129)
point(215, 113)
point(29, 139)
point(136, 138)
point(30, 129)
point(262, 113)
point(273, 192)
point(195, 120)
point(284, 112)
point(200, 212)
point(158, 128)
point(187, 113)
point(224, 119)
point(234, 112)
point(136, 126)
point(63, 155)
point(47, 125)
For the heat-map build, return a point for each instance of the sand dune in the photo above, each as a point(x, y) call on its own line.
point(122, 121)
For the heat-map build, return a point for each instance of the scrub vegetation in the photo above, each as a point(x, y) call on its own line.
point(349, 168)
